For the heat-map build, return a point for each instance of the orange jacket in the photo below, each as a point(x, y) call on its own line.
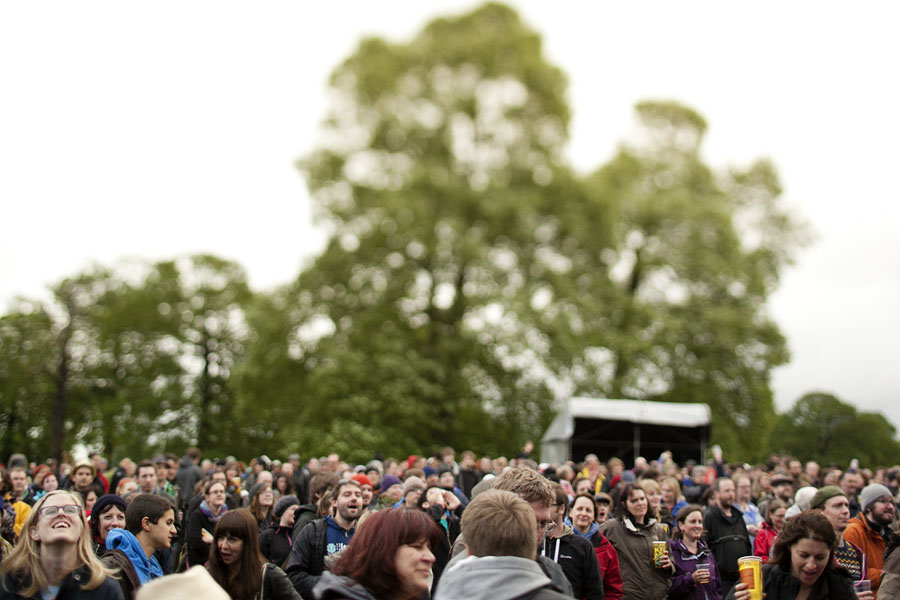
point(869, 541)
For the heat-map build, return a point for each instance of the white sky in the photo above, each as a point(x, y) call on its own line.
point(166, 128)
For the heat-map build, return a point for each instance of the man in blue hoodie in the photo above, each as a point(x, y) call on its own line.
point(149, 527)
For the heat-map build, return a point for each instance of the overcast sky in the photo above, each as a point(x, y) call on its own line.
point(132, 129)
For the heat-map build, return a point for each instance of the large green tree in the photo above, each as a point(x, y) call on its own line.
point(441, 159)
point(672, 305)
point(822, 427)
point(470, 271)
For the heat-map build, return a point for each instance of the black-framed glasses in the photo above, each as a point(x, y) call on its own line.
point(51, 511)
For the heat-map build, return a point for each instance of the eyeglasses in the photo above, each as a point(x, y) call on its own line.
point(51, 511)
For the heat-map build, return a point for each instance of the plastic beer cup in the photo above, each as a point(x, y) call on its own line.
point(659, 548)
point(750, 568)
point(704, 566)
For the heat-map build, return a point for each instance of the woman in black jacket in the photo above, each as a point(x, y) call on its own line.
point(54, 558)
point(802, 564)
point(203, 521)
point(275, 542)
point(237, 565)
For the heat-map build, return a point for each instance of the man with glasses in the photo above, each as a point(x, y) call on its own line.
point(743, 500)
point(324, 536)
point(870, 529)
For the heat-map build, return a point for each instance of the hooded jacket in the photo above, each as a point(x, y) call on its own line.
point(126, 542)
point(495, 578)
point(579, 563)
point(608, 559)
point(641, 579)
point(552, 570)
point(275, 544)
point(683, 585)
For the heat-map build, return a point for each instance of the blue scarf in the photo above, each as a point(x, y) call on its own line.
point(595, 526)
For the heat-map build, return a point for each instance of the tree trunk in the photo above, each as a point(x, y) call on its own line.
point(61, 397)
point(203, 434)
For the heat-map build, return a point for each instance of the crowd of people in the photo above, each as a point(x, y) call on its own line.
point(433, 527)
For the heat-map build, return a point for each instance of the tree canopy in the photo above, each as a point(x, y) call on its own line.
point(824, 428)
point(471, 279)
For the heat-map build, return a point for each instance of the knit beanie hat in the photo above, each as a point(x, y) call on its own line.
point(824, 495)
point(389, 480)
point(871, 493)
point(106, 500)
point(283, 504)
point(412, 483)
point(362, 479)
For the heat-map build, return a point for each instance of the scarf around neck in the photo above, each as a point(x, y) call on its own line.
point(212, 516)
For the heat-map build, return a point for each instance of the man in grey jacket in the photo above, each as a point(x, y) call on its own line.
point(535, 489)
point(498, 527)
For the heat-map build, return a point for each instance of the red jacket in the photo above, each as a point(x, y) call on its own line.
point(609, 567)
point(765, 539)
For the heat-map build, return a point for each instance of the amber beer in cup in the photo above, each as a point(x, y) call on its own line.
point(750, 568)
point(704, 566)
point(659, 548)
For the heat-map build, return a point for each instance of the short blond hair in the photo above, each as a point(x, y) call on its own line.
point(527, 483)
point(499, 523)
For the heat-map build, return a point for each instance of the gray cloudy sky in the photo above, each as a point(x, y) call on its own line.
point(159, 129)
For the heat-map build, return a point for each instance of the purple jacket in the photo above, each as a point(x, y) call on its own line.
point(683, 586)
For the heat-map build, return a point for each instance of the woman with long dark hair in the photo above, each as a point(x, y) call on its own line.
point(237, 565)
point(696, 574)
point(262, 505)
point(633, 533)
point(284, 486)
point(389, 558)
point(802, 564)
point(53, 557)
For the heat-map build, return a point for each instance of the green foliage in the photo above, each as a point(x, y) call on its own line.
point(823, 428)
point(143, 354)
point(445, 154)
point(670, 305)
point(27, 371)
point(471, 279)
